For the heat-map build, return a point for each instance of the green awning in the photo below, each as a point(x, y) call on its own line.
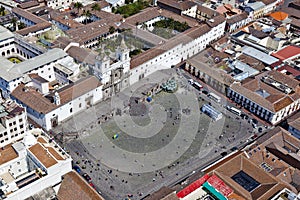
point(212, 190)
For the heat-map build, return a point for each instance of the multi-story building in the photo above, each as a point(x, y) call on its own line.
point(294, 125)
point(272, 96)
point(34, 25)
point(12, 74)
point(237, 21)
point(13, 122)
point(113, 73)
point(48, 107)
point(255, 10)
point(186, 7)
point(15, 45)
point(32, 165)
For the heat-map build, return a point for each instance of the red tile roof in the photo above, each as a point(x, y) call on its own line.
point(287, 52)
point(217, 183)
point(193, 186)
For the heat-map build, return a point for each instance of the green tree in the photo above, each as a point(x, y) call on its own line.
point(14, 23)
point(2, 11)
point(87, 14)
point(78, 6)
point(112, 30)
point(96, 7)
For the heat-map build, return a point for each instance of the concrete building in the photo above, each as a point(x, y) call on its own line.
point(32, 165)
point(185, 7)
point(255, 10)
point(49, 109)
point(13, 45)
point(13, 122)
point(272, 96)
point(177, 49)
point(237, 21)
point(13, 74)
point(294, 125)
point(113, 73)
point(34, 25)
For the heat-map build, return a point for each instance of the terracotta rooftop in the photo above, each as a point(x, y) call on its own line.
point(28, 4)
point(268, 185)
point(37, 78)
point(294, 121)
point(28, 15)
point(35, 100)
point(183, 38)
point(276, 100)
point(287, 52)
point(209, 12)
point(292, 12)
point(278, 151)
point(7, 154)
point(279, 16)
point(286, 80)
point(237, 18)
point(55, 153)
point(82, 55)
point(75, 187)
point(78, 89)
point(181, 5)
point(164, 193)
point(44, 156)
point(215, 21)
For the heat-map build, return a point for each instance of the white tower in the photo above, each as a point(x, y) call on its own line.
point(56, 99)
point(122, 52)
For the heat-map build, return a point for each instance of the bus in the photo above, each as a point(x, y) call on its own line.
point(197, 85)
point(214, 97)
point(235, 111)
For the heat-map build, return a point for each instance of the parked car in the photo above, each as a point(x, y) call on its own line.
point(92, 185)
point(234, 149)
point(224, 153)
point(77, 169)
point(205, 92)
point(87, 177)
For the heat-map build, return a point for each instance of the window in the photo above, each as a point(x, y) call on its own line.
point(14, 123)
point(80, 105)
point(71, 110)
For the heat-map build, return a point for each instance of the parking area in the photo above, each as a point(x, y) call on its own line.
point(135, 152)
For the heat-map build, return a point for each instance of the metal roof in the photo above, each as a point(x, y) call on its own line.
point(5, 33)
point(14, 71)
point(263, 57)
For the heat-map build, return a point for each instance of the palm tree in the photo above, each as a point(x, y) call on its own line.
point(14, 23)
point(87, 15)
point(112, 30)
point(96, 7)
point(2, 10)
point(144, 26)
point(78, 6)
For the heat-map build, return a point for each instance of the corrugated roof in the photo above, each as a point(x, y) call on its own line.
point(263, 57)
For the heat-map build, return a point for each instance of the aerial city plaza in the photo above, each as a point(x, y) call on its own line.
point(149, 100)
